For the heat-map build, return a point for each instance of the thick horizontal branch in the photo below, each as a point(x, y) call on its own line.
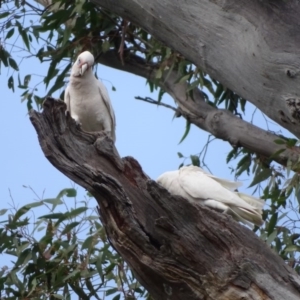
point(176, 249)
point(219, 122)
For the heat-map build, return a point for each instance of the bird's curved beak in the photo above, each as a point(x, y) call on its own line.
point(83, 68)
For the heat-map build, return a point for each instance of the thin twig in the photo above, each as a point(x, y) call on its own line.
point(150, 100)
point(203, 152)
point(35, 9)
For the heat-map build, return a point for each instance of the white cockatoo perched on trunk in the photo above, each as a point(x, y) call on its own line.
point(87, 98)
point(198, 186)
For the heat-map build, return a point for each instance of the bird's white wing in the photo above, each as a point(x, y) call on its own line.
point(255, 202)
point(67, 98)
point(228, 184)
point(107, 102)
point(199, 187)
point(202, 187)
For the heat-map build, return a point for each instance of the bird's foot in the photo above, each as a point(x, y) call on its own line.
point(78, 123)
point(109, 134)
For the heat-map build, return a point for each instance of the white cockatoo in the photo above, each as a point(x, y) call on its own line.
point(87, 98)
point(198, 186)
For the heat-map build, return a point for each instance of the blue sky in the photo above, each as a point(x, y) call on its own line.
point(144, 131)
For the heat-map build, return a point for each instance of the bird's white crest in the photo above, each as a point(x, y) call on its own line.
point(198, 186)
point(87, 98)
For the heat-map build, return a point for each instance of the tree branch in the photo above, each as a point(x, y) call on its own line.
point(177, 250)
point(149, 100)
point(219, 122)
point(256, 57)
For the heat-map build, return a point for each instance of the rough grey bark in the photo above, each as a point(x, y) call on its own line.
point(252, 47)
point(177, 249)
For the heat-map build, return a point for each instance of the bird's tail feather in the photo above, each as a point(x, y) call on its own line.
point(254, 215)
point(253, 201)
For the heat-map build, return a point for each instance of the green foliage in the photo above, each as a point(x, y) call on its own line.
point(61, 254)
point(281, 227)
point(187, 130)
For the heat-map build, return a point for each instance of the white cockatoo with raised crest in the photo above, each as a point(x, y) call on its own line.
point(87, 98)
point(198, 186)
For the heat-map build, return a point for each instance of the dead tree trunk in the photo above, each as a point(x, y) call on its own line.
point(176, 249)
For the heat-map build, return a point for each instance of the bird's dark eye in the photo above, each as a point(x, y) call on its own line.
point(79, 61)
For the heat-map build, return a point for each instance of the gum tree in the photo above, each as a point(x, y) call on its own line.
point(212, 58)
